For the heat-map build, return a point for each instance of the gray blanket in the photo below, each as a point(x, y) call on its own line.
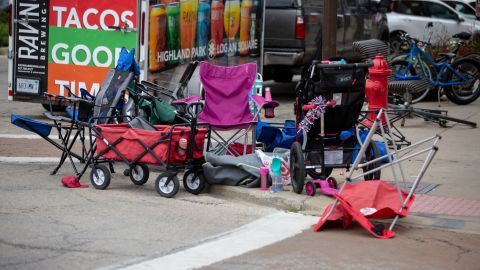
point(232, 171)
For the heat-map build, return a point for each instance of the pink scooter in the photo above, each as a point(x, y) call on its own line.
point(328, 186)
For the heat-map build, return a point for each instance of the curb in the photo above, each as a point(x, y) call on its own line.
point(286, 200)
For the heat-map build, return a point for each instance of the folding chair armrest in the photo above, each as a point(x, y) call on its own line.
point(151, 87)
point(259, 100)
point(167, 82)
point(86, 95)
point(74, 99)
point(53, 96)
point(189, 100)
point(50, 116)
point(70, 93)
point(154, 85)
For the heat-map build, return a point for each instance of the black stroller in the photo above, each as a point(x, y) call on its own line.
point(328, 104)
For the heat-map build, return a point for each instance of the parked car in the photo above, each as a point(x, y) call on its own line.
point(4, 5)
point(463, 8)
point(293, 32)
point(413, 17)
point(471, 3)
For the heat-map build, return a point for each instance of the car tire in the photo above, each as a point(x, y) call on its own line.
point(282, 76)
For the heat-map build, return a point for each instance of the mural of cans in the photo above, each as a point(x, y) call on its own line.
point(173, 30)
point(188, 26)
point(157, 37)
point(224, 32)
point(245, 15)
point(216, 30)
point(231, 20)
point(203, 28)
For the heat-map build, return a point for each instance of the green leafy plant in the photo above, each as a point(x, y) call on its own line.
point(472, 45)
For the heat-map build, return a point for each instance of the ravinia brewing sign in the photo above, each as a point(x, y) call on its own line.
point(32, 46)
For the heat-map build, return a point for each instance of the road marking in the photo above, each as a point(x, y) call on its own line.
point(25, 136)
point(29, 159)
point(34, 136)
point(262, 232)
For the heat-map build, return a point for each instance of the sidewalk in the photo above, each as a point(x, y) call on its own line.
point(454, 204)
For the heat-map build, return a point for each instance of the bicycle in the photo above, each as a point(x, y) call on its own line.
point(458, 77)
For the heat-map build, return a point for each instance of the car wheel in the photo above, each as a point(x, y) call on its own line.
point(397, 45)
point(282, 76)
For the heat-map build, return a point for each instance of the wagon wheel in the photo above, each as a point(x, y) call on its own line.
point(100, 177)
point(139, 174)
point(194, 181)
point(167, 185)
point(297, 167)
point(372, 153)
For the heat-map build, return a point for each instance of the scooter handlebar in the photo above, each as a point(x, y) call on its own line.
point(330, 103)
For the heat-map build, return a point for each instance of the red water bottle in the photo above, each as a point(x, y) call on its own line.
point(182, 146)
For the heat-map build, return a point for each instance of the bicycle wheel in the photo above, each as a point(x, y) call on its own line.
point(416, 71)
point(463, 91)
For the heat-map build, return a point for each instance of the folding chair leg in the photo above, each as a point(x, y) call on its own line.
point(67, 144)
point(110, 165)
point(419, 177)
point(60, 163)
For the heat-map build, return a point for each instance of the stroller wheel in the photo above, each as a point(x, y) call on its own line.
point(100, 177)
point(167, 185)
point(297, 167)
point(126, 172)
point(194, 181)
point(332, 182)
point(372, 153)
point(317, 173)
point(139, 174)
point(310, 188)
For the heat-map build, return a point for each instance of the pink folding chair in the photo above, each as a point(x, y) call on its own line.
point(226, 107)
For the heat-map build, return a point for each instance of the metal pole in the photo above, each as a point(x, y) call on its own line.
point(329, 29)
point(262, 38)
